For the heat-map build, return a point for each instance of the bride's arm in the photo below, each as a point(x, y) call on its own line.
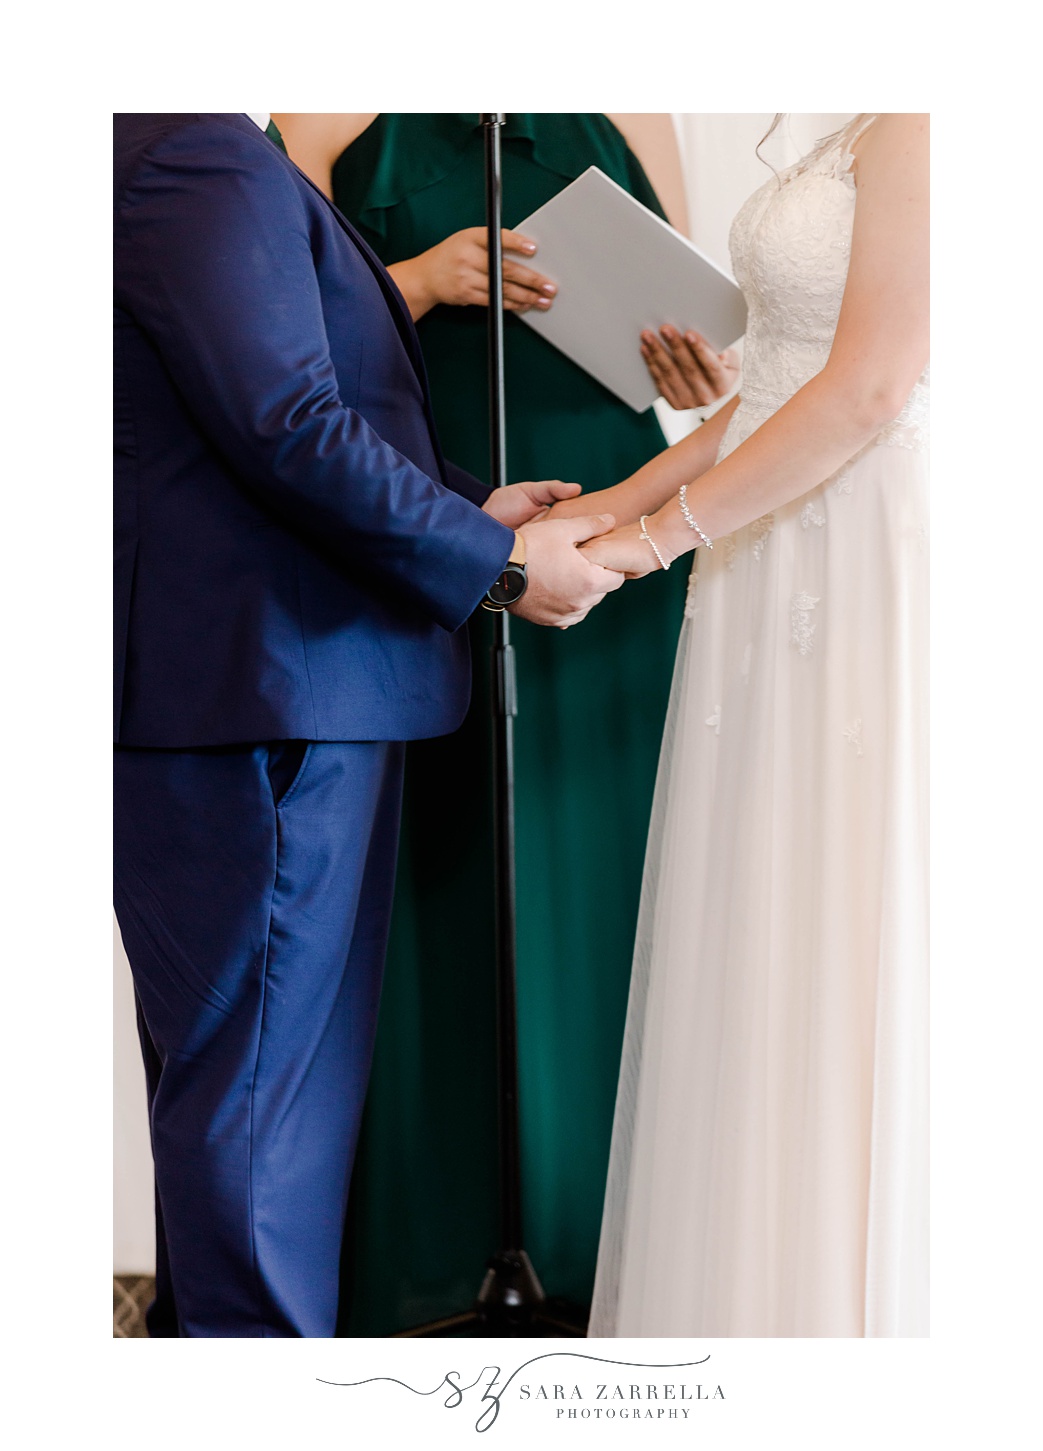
point(658, 480)
point(879, 351)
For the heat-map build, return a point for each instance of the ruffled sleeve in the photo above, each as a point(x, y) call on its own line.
point(396, 156)
point(401, 154)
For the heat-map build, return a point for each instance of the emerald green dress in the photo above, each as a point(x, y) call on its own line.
point(591, 707)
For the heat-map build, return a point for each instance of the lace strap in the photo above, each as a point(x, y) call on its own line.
point(833, 153)
point(856, 127)
point(845, 140)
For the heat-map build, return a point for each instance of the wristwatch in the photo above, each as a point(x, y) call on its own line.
point(509, 587)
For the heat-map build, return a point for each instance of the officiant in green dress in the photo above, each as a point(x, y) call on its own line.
point(591, 707)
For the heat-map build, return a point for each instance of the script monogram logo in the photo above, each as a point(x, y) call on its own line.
point(493, 1387)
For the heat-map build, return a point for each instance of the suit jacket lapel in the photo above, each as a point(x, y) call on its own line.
point(394, 298)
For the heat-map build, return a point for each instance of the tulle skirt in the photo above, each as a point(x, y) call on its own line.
point(768, 1173)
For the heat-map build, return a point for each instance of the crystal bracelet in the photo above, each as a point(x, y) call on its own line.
point(655, 548)
point(682, 498)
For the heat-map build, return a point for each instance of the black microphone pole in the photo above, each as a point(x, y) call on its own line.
point(511, 1299)
point(511, 1290)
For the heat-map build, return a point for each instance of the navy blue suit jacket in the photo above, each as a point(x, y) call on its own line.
point(294, 557)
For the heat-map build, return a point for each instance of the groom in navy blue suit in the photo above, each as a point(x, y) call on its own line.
point(294, 564)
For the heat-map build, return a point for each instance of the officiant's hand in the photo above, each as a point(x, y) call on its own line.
point(686, 370)
point(520, 504)
point(456, 271)
point(564, 584)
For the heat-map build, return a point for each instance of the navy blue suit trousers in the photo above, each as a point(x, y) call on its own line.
point(256, 919)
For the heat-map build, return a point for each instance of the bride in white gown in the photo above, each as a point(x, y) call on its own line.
point(768, 1174)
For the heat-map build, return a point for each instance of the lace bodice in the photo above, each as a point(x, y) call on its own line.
point(790, 247)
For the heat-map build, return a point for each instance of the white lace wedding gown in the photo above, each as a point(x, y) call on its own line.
point(768, 1174)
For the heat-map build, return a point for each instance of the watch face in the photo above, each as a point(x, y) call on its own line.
point(510, 586)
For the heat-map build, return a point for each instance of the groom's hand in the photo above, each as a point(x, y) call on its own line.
point(520, 504)
point(563, 584)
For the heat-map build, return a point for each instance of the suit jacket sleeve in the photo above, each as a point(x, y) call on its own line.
point(213, 259)
point(466, 484)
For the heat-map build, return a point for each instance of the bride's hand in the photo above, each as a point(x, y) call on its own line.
point(625, 551)
point(601, 501)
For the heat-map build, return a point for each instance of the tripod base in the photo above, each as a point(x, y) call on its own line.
point(510, 1304)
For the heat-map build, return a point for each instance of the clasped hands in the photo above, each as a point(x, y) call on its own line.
point(566, 580)
point(619, 549)
point(564, 583)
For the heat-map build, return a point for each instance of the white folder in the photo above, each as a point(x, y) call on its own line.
point(620, 269)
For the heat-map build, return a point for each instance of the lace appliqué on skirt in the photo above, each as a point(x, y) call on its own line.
point(802, 628)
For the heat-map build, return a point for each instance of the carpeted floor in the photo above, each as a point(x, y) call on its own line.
point(130, 1298)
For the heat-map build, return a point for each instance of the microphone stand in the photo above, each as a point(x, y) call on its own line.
point(510, 1301)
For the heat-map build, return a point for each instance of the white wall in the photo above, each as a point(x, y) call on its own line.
point(721, 170)
point(133, 1228)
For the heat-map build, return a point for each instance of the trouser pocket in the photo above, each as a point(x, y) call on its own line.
point(286, 764)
